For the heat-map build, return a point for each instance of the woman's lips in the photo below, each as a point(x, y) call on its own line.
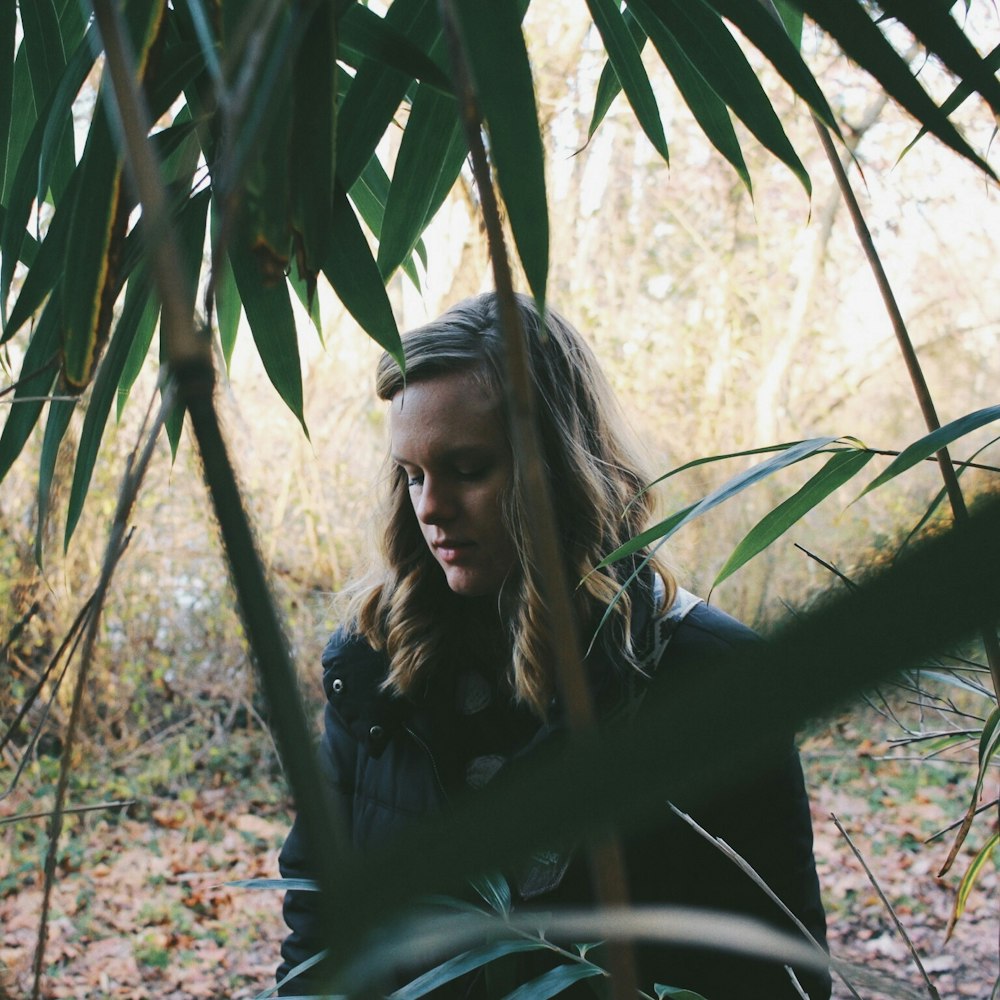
point(451, 551)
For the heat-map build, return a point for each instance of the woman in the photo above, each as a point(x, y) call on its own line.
point(440, 676)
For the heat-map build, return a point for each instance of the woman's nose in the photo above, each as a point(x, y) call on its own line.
point(435, 503)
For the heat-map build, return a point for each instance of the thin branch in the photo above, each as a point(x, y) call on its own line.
point(932, 991)
point(606, 857)
point(120, 804)
point(959, 822)
point(846, 580)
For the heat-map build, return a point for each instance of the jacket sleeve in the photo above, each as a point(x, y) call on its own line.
point(301, 911)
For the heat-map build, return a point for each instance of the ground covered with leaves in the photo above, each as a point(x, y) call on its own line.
point(142, 905)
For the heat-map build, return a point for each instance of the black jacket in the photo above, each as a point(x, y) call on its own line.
point(378, 756)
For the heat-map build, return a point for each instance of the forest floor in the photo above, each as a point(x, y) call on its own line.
point(142, 905)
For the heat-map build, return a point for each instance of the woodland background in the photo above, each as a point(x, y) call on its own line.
point(726, 323)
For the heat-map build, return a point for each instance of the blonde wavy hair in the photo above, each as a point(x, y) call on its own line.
point(404, 605)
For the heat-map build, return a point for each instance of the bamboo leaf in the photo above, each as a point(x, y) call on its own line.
point(23, 119)
point(272, 323)
point(931, 443)
point(957, 97)
point(314, 131)
point(140, 285)
point(38, 373)
point(20, 193)
point(709, 110)
point(43, 43)
point(8, 34)
point(376, 38)
point(468, 961)
point(56, 423)
point(862, 41)
point(555, 981)
point(772, 40)
point(228, 307)
point(354, 275)
point(495, 891)
point(709, 45)
point(430, 158)
point(969, 880)
point(284, 884)
point(498, 61)
point(376, 91)
point(792, 19)
point(609, 86)
point(933, 25)
point(733, 486)
point(838, 469)
point(623, 54)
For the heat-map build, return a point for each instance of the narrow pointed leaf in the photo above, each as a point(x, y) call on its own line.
point(8, 32)
point(838, 469)
point(314, 132)
point(936, 29)
point(376, 91)
point(376, 37)
point(227, 307)
point(305, 292)
point(792, 19)
point(969, 879)
point(733, 486)
point(957, 97)
point(710, 46)
point(354, 275)
point(709, 110)
point(459, 965)
point(21, 192)
point(624, 56)
point(56, 423)
point(555, 981)
point(140, 285)
point(23, 119)
point(609, 86)
point(430, 158)
point(498, 60)
point(370, 192)
point(860, 38)
point(771, 39)
point(284, 884)
point(38, 373)
point(931, 443)
point(272, 323)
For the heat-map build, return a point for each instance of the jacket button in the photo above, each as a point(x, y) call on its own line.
point(337, 686)
point(376, 733)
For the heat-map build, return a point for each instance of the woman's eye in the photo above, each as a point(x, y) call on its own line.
point(472, 473)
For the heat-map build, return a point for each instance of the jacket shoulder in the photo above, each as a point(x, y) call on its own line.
point(707, 631)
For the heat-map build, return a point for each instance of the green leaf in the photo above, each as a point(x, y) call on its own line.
point(498, 61)
point(969, 878)
point(8, 33)
point(494, 890)
point(56, 423)
point(20, 193)
point(609, 86)
point(931, 443)
point(940, 33)
point(862, 41)
point(86, 266)
point(460, 965)
point(772, 40)
point(43, 42)
point(354, 275)
point(369, 194)
point(431, 154)
point(377, 89)
point(272, 323)
point(957, 97)
point(228, 307)
point(792, 19)
point(299, 884)
point(141, 286)
point(675, 993)
point(837, 470)
point(709, 110)
point(38, 373)
point(624, 56)
point(314, 131)
point(555, 981)
point(375, 37)
point(748, 477)
point(710, 46)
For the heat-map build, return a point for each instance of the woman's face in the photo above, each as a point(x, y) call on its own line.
point(447, 434)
